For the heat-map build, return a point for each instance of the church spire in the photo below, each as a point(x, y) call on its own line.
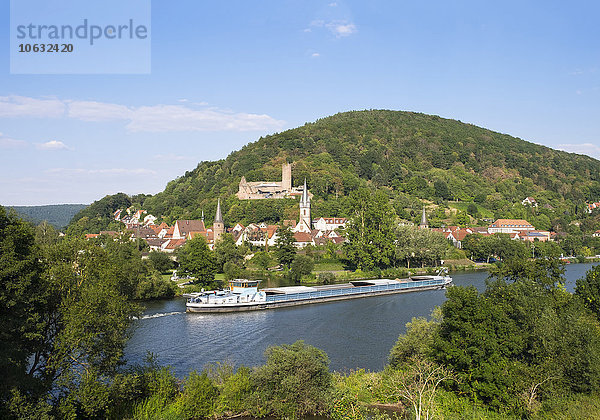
point(218, 215)
point(305, 197)
point(305, 219)
point(218, 226)
point(424, 224)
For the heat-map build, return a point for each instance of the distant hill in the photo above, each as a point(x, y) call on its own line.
point(58, 215)
point(412, 156)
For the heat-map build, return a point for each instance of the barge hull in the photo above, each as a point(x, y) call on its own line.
point(307, 301)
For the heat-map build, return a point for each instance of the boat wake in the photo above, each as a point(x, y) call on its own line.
point(159, 315)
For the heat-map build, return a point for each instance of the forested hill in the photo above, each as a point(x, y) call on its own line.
point(58, 215)
point(409, 154)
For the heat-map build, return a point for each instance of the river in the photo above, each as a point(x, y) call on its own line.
point(356, 333)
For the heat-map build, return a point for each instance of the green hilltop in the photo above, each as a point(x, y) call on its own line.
point(414, 157)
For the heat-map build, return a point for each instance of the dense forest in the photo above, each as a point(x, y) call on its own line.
point(411, 156)
point(58, 215)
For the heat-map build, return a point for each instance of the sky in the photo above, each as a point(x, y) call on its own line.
point(225, 73)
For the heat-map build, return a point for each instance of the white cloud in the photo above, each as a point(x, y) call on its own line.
point(9, 143)
point(21, 106)
point(160, 118)
point(589, 149)
point(339, 28)
point(52, 145)
point(153, 118)
point(171, 157)
point(333, 4)
point(315, 55)
point(107, 171)
point(97, 111)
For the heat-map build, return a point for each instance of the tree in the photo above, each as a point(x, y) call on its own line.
point(418, 340)
point(227, 251)
point(77, 318)
point(417, 383)
point(196, 260)
point(22, 303)
point(286, 251)
point(301, 266)
point(588, 289)
point(160, 261)
point(370, 230)
point(441, 190)
point(262, 259)
point(524, 338)
point(419, 245)
point(294, 382)
point(46, 234)
point(473, 210)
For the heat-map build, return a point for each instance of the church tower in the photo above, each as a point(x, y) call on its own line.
point(424, 224)
point(286, 177)
point(218, 226)
point(305, 208)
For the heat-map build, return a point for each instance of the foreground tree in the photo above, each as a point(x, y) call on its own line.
point(66, 314)
point(294, 382)
point(524, 337)
point(22, 302)
point(588, 289)
point(417, 383)
point(196, 260)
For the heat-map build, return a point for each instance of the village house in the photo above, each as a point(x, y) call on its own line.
point(509, 226)
point(592, 206)
point(529, 201)
point(329, 223)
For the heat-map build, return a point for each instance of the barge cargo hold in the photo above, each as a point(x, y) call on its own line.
point(244, 295)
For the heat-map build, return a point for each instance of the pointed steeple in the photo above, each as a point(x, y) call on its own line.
point(305, 209)
point(424, 224)
point(305, 197)
point(203, 215)
point(218, 215)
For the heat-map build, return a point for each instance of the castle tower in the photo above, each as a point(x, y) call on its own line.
point(218, 226)
point(305, 207)
point(286, 177)
point(424, 224)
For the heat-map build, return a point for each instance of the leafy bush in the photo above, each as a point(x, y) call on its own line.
point(294, 382)
point(326, 277)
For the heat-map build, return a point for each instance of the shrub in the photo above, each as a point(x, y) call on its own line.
point(294, 382)
point(199, 396)
point(326, 277)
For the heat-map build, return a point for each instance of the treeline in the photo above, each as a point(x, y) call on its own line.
point(58, 215)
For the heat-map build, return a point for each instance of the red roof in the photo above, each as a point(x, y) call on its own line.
point(302, 237)
point(175, 243)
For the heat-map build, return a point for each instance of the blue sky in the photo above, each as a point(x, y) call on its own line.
point(225, 73)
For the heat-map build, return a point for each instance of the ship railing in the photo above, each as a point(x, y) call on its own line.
point(354, 290)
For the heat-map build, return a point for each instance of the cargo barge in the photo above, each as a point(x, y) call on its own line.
point(244, 295)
